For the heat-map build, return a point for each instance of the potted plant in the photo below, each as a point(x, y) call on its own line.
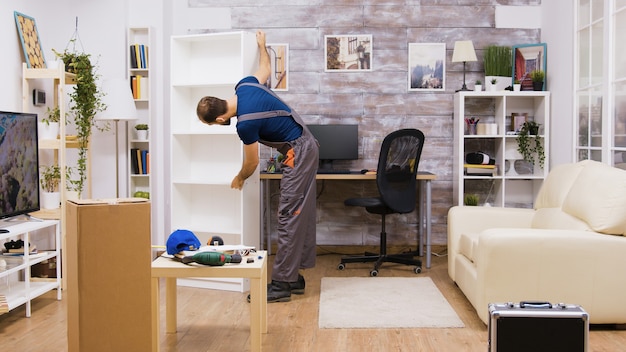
point(538, 77)
point(50, 178)
point(530, 144)
point(85, 102)
point(470, 199)
point(478, 86)
point(517, 86)
point(142, 131)
point(498, 63)
point(493, 82)
point(49, 125)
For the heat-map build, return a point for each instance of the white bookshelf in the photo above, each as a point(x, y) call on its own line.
point(205, 159)
point(506, 187)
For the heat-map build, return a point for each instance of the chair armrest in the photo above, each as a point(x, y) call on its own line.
point(470, 219)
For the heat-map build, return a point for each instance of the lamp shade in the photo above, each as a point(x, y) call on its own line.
point(118, 99)
point(464, 51)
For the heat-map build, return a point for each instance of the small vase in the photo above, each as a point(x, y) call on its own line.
point(537, 86)
point(517, 87)
point(478, 87)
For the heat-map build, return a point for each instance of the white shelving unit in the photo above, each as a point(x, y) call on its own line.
point(509, 186)
point(205, 159)
point(141, 70)
point(15, 278)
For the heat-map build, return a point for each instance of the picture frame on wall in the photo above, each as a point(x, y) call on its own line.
point(279, 62)
point(527, 58)
point(348, 53)
point(29, 37)
point(427, 67)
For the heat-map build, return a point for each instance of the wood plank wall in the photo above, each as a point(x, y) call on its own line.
point(378, 100)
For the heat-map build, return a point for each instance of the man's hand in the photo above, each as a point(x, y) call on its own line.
point(237, 183)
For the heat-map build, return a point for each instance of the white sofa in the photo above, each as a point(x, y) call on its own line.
point(570, 249)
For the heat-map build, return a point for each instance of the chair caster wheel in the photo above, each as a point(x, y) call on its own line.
point(374, 273)
point(418, 269)
point(341, 266)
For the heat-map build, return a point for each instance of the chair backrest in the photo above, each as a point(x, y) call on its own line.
point(397, 167)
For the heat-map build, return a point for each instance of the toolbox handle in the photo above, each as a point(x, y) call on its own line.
point(535, 304)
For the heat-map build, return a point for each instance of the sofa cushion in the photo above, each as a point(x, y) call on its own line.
point(557, 184)
point(555, 218)
point(598, 197)
point(467, 244)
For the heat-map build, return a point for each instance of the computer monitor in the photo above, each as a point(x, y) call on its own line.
point(337, 142)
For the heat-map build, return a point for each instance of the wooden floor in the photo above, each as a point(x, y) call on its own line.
point(219, 321)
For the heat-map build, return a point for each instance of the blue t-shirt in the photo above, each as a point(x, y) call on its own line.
point(252, 99)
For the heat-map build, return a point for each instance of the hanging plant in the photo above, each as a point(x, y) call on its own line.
point(85, 103)
point(530, 144)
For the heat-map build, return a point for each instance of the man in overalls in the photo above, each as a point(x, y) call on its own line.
point(264, 118)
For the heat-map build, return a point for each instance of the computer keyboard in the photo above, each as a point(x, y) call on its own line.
point(334, 171)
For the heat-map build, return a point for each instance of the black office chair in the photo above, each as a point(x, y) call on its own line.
point(397, 167)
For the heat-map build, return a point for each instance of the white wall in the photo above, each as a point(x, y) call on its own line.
point(557, 30)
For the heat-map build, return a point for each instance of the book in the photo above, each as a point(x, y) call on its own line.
point(133, 161)
point(144, 154)
point(133, 57)
point(479, 169)
point(143, 87)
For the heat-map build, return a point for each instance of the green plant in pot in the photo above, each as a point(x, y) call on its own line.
point(50, 178)
point(85, 102)
point(538, 77)
point(530, 144)
point(498, 61)
point(470, 199)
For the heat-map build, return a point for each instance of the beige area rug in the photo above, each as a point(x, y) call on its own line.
point(384, 302)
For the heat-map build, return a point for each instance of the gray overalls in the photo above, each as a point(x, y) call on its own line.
point(297, 204)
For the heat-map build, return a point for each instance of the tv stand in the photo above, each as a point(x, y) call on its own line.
point(21, 218)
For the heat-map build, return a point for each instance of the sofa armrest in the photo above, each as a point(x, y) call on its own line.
point(469, 219)
point(576, 267)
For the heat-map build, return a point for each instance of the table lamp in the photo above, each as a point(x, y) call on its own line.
point(464, 52)
point(118, 99)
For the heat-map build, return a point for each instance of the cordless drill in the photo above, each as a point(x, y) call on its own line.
point(212, 258)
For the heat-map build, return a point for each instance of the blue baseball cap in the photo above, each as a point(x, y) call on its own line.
point(182, 240)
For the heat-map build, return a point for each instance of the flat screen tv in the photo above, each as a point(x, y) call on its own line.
point(337, 142)
point(19, 164)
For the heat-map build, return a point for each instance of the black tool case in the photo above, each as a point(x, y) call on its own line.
point(538, 326)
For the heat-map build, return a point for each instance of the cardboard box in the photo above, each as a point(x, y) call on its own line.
point(108, 275)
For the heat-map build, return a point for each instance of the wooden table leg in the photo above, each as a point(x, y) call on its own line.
point(156, 316)
point(170, 305)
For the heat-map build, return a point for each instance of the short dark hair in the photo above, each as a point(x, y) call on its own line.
point(209, 108)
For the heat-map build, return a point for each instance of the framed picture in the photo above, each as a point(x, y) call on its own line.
point(427, 66)
point(348, 52)
point(279, 62)
point(526, 59)
point(31, 45)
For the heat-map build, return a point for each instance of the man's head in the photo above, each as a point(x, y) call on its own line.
point(209, 108)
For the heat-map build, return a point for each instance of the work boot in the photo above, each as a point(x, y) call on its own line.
point(297, 287)
point(278, 291)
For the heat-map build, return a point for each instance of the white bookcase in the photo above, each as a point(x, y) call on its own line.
point(140, 38)
point(16, 283)
point(508, 186)
point(141, 179)
point(204, 159)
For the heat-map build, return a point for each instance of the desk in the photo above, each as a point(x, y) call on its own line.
point(170, 270)
point(425, 200)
